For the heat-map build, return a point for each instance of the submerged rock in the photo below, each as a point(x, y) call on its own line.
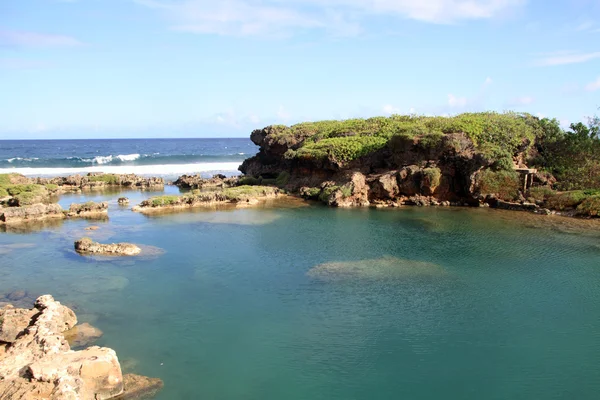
point(39, 364)
point(379, 268)
point(140, 387)
point(82, 335)
point(123, 201)
point(88, 246)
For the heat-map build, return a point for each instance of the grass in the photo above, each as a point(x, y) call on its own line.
point(109, 179)
point(24, 194)
point(164, 200)
point(245, 192)
point(432, 177)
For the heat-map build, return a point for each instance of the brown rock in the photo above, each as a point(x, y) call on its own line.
point(385, 186)
point(82, 335)
point(92, 228)
point(123, 201)
point(89, 209)
point(16, 295)
point(12, 215)
point(88, 246)
point(13, 322)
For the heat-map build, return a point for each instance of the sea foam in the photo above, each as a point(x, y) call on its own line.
point(154, 170)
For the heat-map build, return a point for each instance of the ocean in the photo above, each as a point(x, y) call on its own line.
point(303, 302)
point(168, 158)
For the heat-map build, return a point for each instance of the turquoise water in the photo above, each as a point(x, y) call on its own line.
point(318, 303)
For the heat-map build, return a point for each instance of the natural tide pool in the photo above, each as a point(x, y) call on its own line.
point(318, 303)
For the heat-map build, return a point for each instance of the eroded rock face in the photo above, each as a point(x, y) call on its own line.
point(88, 246)
point(89, 209)
point(13, 322)
point(99, 180)
point(15, 215)
point(39, 363)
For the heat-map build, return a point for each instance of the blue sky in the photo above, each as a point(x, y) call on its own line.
point(210, 68)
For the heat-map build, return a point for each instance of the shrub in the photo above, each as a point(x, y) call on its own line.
point(590, 206)
point(164, 200)
point(51, 186)
point(327, 192)
point(3, 192)
point(432, 177)
point(342, 149)
point(249, 181)
point(268, 181)
point(282, 179)
point(540, 193)
point(504, 184)
point(109, 179)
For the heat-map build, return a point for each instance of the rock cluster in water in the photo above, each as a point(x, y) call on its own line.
point(36, 361)
point(89, 209)
point(99, 181)
point(197, 182)
point(39, 212)
point(88, 246)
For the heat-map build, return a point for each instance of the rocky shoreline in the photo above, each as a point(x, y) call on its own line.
point(37, 362)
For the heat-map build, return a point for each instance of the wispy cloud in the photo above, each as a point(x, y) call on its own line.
point(339, 17)
point(34, 39)
point(593, 86)
point(565, 57)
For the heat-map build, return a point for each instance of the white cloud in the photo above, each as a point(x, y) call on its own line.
point(568, 57)
point(593, 86)
point(488, 81)
point(34, 39)
point(457, 102)
point(339, 17)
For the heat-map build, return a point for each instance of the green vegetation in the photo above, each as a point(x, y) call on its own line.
point(249, 181)
point(163, 200)
point(109, 179)
point(572, 156)
point(326, 193)
point(590, 206)
point(504, 184)
point(432, 177)
point(22, 194)
point(239, 193)
point(51, 187)
point(282, 179)
point(498, 136)
point(570, 200)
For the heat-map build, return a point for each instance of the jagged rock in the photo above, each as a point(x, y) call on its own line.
point(139, 387)
point(89, 209)
point(123, 201)
point(384, 186)
point(13, 322)
point(13, 215)
point(88, 246)
point(39, 363)
point(82, 335)
point(197, 182)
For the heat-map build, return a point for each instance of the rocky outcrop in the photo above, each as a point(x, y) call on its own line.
point(88, 210)
point(236, 196)
point(123, 201)
point(88, 246)
point(36, 361)
point(35, 212)
point(100, 181)
point(197, 182)
point(405, 171)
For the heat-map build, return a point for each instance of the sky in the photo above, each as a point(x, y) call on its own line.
point(221, 68)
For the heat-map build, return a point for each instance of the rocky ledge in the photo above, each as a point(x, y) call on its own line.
point(36, 361)
point(197, 182)
point(40, 212)
point(99, 181)
point(88, 246)
point(238, 196)
point(89, 209)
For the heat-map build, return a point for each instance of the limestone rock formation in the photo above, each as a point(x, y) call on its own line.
point(35, 212)
point(88, 246)
point(123, 201)
point(89, 209)
point(82, 335)
point(197, 182)
point(36, 362)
